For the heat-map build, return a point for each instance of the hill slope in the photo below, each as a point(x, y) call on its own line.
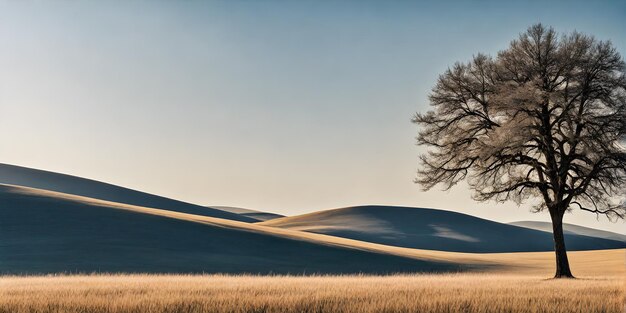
point(47, 232)
point(572, 230)
point(258, 215)
point(40, 179)
point(432, 229)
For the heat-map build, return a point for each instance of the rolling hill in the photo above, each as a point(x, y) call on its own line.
point(40, 179)
point(572, 230)
point(50, 232)
point(433, 230)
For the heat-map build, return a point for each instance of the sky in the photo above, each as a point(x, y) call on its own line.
point(282, 106)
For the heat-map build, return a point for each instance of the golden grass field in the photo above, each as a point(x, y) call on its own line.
point(398, 293)
point(599, 288)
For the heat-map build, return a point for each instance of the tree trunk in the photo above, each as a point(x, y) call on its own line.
point(562, 263)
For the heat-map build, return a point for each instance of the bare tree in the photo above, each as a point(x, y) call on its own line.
point(545, 118)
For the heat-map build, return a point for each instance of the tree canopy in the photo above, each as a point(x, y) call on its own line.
point(544, 118)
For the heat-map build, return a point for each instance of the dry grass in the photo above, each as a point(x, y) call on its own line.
point(400, 293)
point(515, 283)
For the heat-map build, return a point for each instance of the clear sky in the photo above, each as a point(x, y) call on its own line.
point(283, 106)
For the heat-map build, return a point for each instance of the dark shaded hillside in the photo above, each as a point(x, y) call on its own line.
point(28, 177)
point(42, 232)
point(432, 229)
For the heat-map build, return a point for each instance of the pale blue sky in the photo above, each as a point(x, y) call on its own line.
point(284, 106)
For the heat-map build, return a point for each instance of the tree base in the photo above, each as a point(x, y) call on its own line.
point(565, 276)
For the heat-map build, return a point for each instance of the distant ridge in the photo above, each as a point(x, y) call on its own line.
point(258, 215)
point(432, 229)
point(46, 180)
point(572, 230)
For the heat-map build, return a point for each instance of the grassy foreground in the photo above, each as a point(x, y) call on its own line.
point(399, 293)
